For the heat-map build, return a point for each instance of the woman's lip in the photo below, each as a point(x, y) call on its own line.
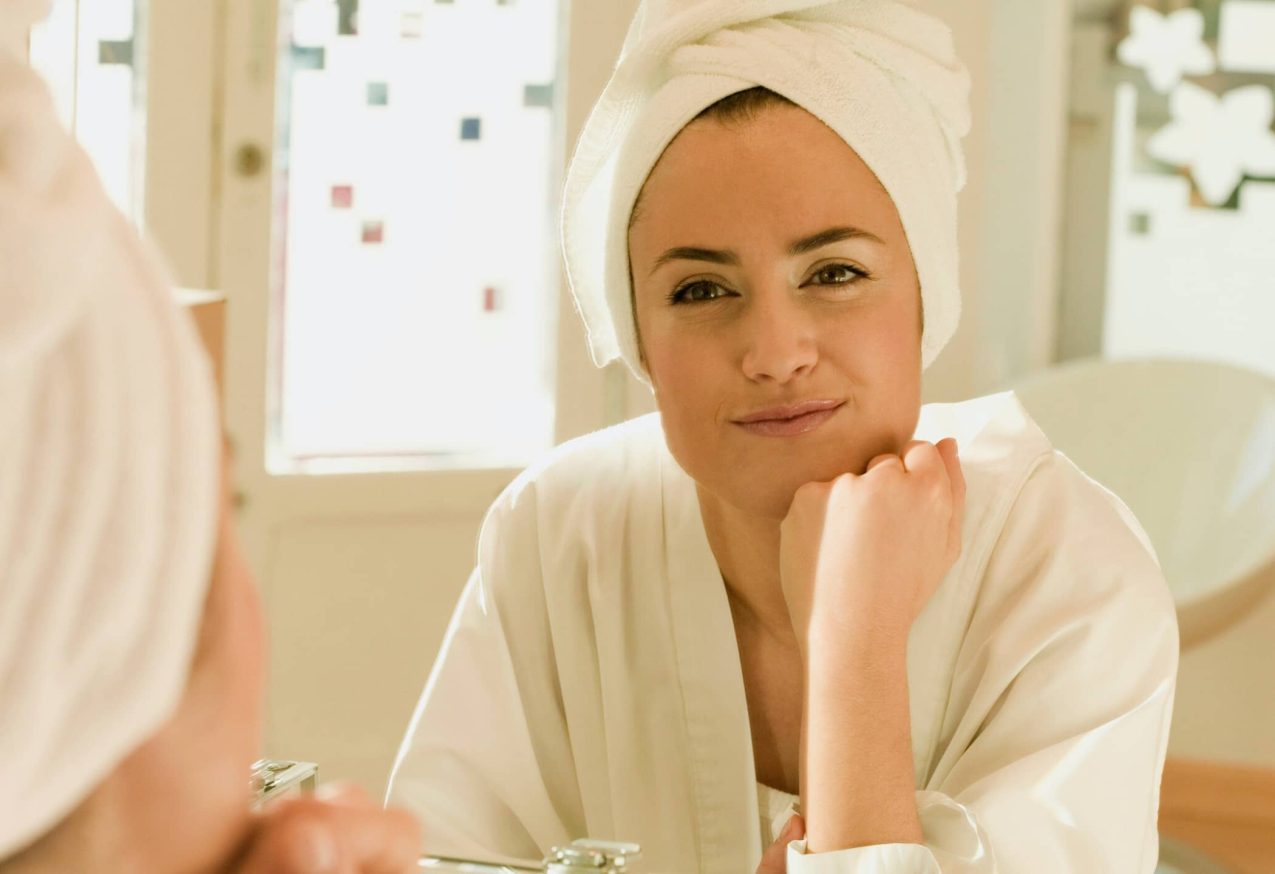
point(790, 427)
point(792, 411)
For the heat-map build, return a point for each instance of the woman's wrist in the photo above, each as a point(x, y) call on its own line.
point(858, 778)
point(838, 642)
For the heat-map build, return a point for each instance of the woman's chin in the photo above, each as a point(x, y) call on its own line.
point(763, 483)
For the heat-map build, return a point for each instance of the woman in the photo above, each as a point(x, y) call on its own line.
point(785, 592)
point(131, 651)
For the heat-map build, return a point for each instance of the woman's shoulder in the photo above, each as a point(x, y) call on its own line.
point(1052, 561)
point(1015, 470)
point(1036, 519)
point(995, 433)
point(1000, 447)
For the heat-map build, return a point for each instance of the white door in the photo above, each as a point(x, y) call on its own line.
point(349, 264)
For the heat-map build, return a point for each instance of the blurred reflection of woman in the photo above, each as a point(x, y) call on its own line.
point(785, 593)
point(132, 655)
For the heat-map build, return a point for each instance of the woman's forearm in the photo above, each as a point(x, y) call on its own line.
point(857, 777)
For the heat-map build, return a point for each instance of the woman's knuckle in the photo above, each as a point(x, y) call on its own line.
point(807, 491)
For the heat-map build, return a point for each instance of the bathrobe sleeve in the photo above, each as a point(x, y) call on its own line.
point(1061, 701)
point(486, 763)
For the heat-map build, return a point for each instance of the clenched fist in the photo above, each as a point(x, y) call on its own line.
point(864, 553)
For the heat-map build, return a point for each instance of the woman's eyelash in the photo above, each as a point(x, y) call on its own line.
point(678, 294)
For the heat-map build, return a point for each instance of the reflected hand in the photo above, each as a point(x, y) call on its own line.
point(775, 859)
point(339, 830)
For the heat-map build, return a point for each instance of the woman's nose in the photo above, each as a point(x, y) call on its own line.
point(779, 338)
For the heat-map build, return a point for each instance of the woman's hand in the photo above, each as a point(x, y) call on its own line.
point(775, 859)
point(863, 554)
point(338, 831)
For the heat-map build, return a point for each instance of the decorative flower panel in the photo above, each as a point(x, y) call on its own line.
point(1192, 257)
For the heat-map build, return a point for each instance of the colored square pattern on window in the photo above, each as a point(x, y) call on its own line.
point(435, 119)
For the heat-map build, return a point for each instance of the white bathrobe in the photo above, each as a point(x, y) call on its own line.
point(590, 685)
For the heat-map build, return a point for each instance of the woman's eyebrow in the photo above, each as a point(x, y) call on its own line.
point(797, 247)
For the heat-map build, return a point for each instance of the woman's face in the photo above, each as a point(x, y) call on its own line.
point(753, 321)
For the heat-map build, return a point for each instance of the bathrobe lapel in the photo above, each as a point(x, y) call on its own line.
point(718, 736)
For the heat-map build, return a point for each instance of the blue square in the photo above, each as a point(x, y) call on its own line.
point(308, 57)
point(470, 128)
point(378, 93)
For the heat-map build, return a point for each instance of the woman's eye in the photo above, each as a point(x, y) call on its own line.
point(704, 290)
point(697, 291)
point(855, 274)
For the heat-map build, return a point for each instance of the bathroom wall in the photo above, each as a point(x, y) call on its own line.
point(1010, 209)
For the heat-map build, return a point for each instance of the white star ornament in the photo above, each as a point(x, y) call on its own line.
point(1166, 48)
point(1220, 140)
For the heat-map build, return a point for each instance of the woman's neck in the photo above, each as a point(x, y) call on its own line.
point(746, 547)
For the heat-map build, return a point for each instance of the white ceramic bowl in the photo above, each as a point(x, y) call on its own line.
point(1190, 447)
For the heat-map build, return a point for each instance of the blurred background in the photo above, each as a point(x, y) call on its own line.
point(360, 198)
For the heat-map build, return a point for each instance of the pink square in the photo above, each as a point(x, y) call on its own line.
point(342, 196)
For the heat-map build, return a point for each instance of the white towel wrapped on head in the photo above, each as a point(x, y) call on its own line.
point(109, 470)
point(881, 74)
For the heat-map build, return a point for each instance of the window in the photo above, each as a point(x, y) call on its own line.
point(415, 246)
point(92, 55)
